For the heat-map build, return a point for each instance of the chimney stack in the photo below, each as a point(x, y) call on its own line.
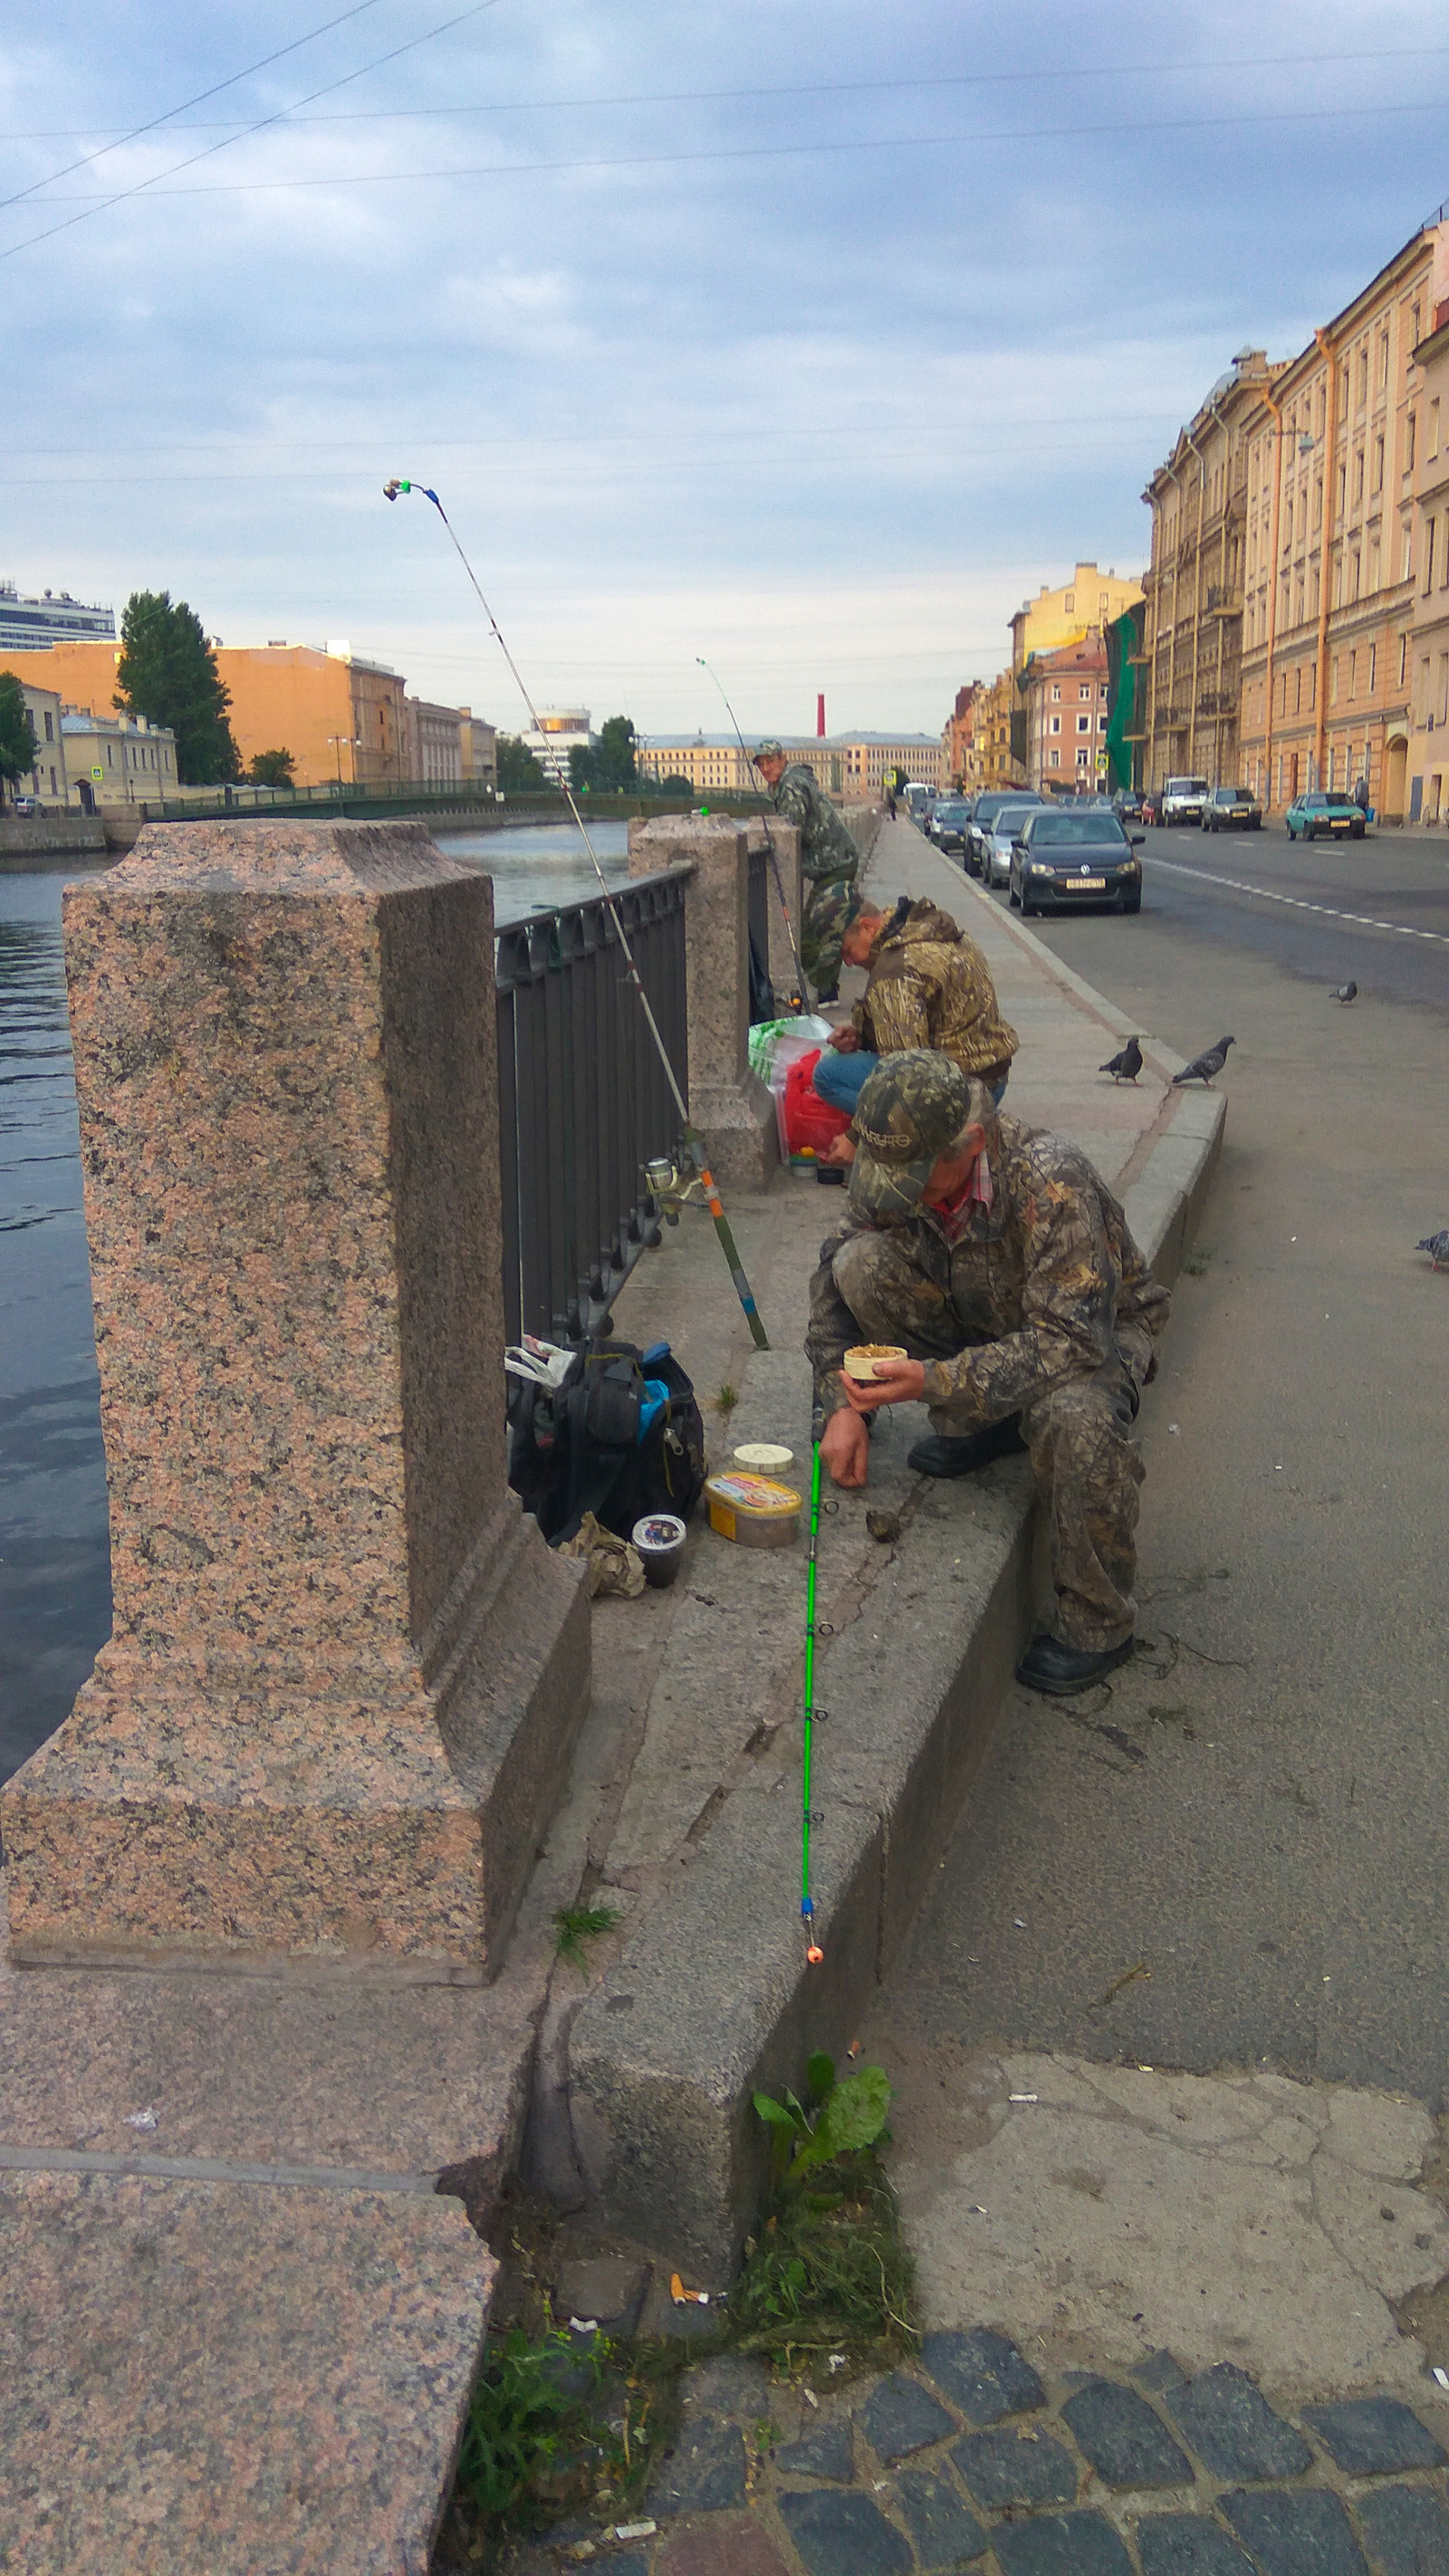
point(820, 716)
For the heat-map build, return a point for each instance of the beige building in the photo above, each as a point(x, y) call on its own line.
point(1193, 587)
point(1429, 638)
point(478, 748)
point(1057, 617)
point(432, 743)
point(117, 760)
point(1329, 600)
point(998, 710)
point(852, 767)
point(960, 752)
point(1065, 697)
point(47, 779)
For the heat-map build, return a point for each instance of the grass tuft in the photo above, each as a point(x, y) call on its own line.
point(829, 2273)
point(727, 1398)
point(577, 1924)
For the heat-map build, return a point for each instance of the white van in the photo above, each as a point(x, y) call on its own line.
point(1182, 800)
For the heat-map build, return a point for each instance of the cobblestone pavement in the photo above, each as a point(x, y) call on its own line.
point(967, 2459)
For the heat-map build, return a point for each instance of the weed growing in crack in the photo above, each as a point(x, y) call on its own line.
point(577, 1924)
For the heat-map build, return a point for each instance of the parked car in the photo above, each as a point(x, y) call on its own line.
point(983, 814)
point(1182, 800)
point(1127, 805)
point(917, 799)
point(1327, 810)
point(950, 816)
point(1061, 857)
point(1232, 809)
point(26, 805)
point(999, 837)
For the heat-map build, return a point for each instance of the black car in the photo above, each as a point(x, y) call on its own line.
point(1232, 809)
point(950, 816)
point(1061, 857)
point(1127, 805)
point(983, 814)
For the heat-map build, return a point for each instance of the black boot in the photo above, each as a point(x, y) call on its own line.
point(938, 1455)
point(1061, 1670)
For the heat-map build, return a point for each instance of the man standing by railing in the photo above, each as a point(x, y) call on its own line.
point(829, 862)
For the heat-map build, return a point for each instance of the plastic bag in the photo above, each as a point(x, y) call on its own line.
point(777, 1044)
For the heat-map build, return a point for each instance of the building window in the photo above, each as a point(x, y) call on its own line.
point(1084, 692)
point(1056, 760)
point(1373, 668)
point(1352, 677)
point(1070, 603)
point(1084, 724)
point(1409, 426)
point(49, 727)
point(1056, 693)
point(1403, 658)
point(1056, 724)
point(1379, 463)
point(1083, 759)
point(1358, 474)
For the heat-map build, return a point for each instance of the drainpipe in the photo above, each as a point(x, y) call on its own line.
point(1197, 605)
point(1276, 409)
point(1330, 442)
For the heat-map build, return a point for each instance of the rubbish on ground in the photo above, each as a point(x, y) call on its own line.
point(884, 1526)
point(1021, 2097)
point(614, 1566)
point(1020, 1922)
point(659, 1542)
point(140, 2119)
point(1128, 1977)
point(686, 2298)
point(1441, 2375)
point(583, 2325)
point(753, 1511)
point(810, 2398)
point(632, 2531)
point(837, 2361)
point(764, 1458)
point(860, 1361)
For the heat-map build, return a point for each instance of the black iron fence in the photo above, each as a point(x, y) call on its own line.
point(583, 1100)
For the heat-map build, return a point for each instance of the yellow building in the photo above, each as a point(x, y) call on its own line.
point(1429, 639)
point(1329, 600)
point(998, 765)
point(851, 767)
point(1194, 584)
point(47, 779)
point(1058, 617)
point(117, 760)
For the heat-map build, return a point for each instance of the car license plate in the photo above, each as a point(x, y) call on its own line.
point(1086, 885)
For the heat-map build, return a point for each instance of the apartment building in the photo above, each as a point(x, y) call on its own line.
point(1429, 639)
point(1062, 616)
point(960, 754)
point(433, 743)
point(48, 778)
point(1329, 596)
point(852, 767)
point(998, 713)
point(1065, 696)
point(1193, 586)
point(117, 760)
point(478, 749)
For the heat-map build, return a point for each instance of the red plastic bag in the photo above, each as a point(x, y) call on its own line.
point(810, 1122)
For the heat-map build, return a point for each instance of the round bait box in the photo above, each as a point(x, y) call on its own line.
point(764, 1458)
point(860, 1361)
point(753, 1510)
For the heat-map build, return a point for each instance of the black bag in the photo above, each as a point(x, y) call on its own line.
point(603, 1444)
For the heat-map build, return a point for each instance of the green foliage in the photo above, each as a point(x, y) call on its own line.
point(725, 1402)
point(19, 747)
point(167, 673)
point(608, 767)
point(528, 2407)
point(578, 1924)
point(828, 2275)
point(271, 769)
point(847, 2116)
point(520, 772)
point(676, 785)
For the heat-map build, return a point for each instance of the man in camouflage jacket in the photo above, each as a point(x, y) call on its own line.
point(829, 862)
point(929, 986)
point(999, 1260)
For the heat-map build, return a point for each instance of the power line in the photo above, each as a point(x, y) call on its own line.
point(99, 205)
point(796, 90)
point(1141, 128)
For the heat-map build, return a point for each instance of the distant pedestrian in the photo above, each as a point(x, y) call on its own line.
point(891, 803)
point(1361, 794)
point(829, 860)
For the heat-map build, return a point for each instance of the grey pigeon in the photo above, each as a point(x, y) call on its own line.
point(1126, 1066)
point(1204, 1067)
point(1437, 1247)
point(1343, 992)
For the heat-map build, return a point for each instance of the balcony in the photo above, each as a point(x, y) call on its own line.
point(1224, 602)
point(1218, 702)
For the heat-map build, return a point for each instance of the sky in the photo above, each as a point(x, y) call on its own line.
point(810, 341)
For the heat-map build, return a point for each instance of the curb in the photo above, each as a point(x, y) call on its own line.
point(713, 1997)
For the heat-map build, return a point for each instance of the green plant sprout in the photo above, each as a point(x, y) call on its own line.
point(575, 1925)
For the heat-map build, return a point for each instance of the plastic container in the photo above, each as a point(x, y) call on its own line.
point(859, 1363)
point(764, 1458)
point(753, 1511)
point(659, 1538)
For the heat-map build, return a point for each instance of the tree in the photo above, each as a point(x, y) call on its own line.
point(271, 769)
point(519, 773)
point(608, 766)
point(676, 785)
point(168, 674)
point(19, 748)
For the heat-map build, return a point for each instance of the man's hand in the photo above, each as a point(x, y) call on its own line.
point(840, 1151)
point(845, 1449)
point(845, 1041)
point(895, 1382)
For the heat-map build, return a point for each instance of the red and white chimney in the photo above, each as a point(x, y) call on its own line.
point(820, 716)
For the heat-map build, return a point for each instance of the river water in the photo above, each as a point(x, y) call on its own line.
point(55, 1582)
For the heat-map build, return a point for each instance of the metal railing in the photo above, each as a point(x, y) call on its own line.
point(583, 1103)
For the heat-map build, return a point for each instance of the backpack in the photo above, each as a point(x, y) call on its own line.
point(622, 1436)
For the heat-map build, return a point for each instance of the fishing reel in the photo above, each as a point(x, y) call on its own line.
point(669, 1187)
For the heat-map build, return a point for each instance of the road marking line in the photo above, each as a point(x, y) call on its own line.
point(1300, 903)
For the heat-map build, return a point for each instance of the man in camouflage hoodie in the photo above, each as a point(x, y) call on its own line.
point(999, 1260)
point(928, 985)
point(829, 862)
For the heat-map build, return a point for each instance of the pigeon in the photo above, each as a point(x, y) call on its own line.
point(1437, 1247)
point(1204, 1067)
point(1343, 992)
point(1126, 1066)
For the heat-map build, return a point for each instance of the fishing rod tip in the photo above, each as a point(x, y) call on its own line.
point(391, 490)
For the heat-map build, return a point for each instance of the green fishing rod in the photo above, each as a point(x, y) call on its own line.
point(749, 759)
point(693, 1140)
point(814, 1954)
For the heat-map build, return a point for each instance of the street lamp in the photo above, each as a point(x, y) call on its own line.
point(335, 742)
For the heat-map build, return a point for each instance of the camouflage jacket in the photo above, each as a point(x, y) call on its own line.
point(826, 847)
point(1041, 1286)
point(930, 986)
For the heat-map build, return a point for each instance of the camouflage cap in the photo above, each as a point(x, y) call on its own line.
point(770, 751)
point(913, 1106)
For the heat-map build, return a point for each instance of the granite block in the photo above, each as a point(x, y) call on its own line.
point(826, 2453)
point(1060, 2544)
point(734, 2548)
point(1233, 2429)
point(982, 2373)
point(705, 2473)
point(1187, 2544)
point(344, 1674)
point(1407, 2531)
point(1374, 2436)
point(945, 2536)
point(1295, 2531)
point(1126, 2441)
point(843, 2535)
point(1005, 2468)
point(900, 2416)
point(221, 2376)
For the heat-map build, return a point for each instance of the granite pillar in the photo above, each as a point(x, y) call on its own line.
point(728, 1103)
point(336, 1709)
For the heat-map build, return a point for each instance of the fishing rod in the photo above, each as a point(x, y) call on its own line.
point(769, 839)
point(690, 1133)
point(813, 1953)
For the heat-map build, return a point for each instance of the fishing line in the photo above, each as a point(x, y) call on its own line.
point(692, 1138)
point(813, 1953)
point(749, 758)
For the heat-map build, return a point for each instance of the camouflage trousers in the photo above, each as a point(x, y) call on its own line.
point(829, 903)
point(1078, 1434)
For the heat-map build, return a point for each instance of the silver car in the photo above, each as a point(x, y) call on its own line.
point(1000, 835)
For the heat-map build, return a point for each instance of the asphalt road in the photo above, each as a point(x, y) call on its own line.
point(1238, 1851)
